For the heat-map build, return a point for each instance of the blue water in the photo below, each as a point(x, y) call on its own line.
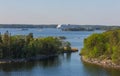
point(64, 65)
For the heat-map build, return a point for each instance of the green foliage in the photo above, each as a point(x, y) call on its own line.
point(106, 45)
point(20, 46)
point(67, 46)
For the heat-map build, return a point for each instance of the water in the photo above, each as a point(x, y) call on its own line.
point(64, 65)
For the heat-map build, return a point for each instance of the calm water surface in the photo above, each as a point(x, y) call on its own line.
point(64, 65)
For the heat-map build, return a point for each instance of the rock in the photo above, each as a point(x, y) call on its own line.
point(104, 63)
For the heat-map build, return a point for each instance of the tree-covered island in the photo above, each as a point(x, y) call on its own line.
point(102, 49)
point(20, 48)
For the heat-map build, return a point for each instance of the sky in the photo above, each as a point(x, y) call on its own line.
point(96, 12)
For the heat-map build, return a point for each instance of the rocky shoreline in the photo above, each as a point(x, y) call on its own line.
point(41, 57)
point(103, 63)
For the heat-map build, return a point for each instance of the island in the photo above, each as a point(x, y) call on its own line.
point(24, 48)
point(102, 49)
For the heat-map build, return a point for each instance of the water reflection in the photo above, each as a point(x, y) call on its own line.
point(66, 57)
point(95, 70)
point(8, 67)
point(112, 71)
point(51, 62)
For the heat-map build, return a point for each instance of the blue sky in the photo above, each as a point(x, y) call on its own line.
point(60, 12)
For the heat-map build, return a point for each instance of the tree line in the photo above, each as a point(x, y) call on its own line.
point(25, 46)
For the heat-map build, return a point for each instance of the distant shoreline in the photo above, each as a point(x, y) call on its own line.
point(65, 27)
point(103, 63)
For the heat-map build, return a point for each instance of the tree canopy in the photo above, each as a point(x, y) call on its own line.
point(105, 45)
point(25, 46)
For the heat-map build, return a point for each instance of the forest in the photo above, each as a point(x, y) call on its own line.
point(25, 46)
point(104, 45)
